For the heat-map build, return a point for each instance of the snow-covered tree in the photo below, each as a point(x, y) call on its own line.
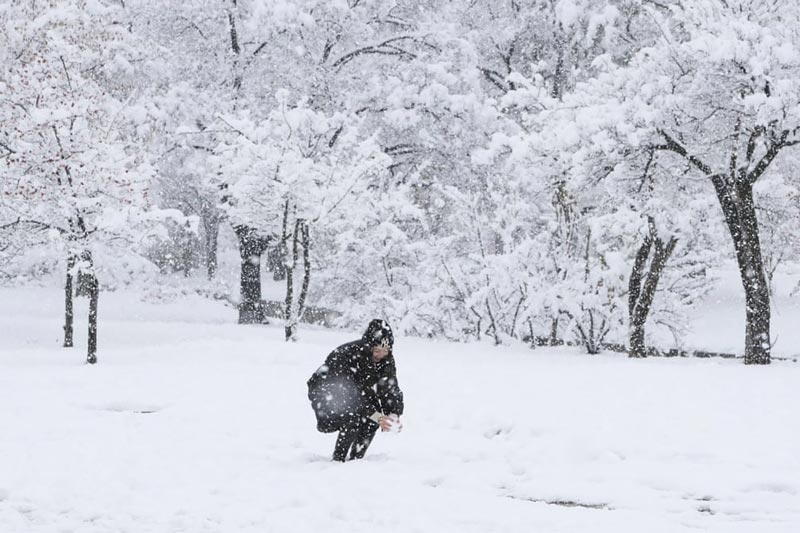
point(536, 170)
point(299, 173)
point(71, 169)
point(717, 95)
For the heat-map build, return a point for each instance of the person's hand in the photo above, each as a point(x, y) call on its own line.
point(390, 423)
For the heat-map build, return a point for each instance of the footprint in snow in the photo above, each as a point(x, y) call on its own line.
point(129, 408)
point(497, 431)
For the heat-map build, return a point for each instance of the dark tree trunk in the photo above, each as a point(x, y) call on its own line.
point(188, 251)
point(306, 242)
point(643, 284)
point(289, 312)
point(479, 320)
point(756, 288)
point(637, 346)
point(94, 293)
point(517, 309)
point(211, 227)
point(493, 324)
point(300, 237)
point(559, 76)
point(740, 217)
point(85, 276)
point(636, 327)
point(276, 263)
point(69, 314)
point(531, 334)
point(251, 246)
point(554, 332)
point(212, 236)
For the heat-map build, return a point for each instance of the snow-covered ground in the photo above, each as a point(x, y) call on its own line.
point(190, 423)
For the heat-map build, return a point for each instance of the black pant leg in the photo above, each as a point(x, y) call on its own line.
point(347, 436)
point(365, 432)
point(356, 429)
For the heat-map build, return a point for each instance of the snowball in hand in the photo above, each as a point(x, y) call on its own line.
point(395, 425)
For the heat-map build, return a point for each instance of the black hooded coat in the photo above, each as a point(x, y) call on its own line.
point(350, 385)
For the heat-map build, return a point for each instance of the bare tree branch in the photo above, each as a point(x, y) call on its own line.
point(772, 152)
point(674, 146)
point(387, 47)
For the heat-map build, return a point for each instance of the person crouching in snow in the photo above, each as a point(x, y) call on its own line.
point(355, 391)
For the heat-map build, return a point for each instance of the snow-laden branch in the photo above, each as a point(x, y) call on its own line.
point(387, 47)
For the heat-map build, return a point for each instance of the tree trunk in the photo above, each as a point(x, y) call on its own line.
point(531, 333)
point(493, 324)
point(289, 315)
point(516, 314)
point(756, 290)
point(251, 246)
point(740, 217)
point(554, 331)
point(94, 293)
point(642, 286)
point(757, 341)
point(306, 243)
point(187, 250)
point(68, 308)
point(637, 274)
point(212, 237)
point(276, 263)
point(478, 319)
point(211, 227)
point(85, 276)
point(636, 340)
point(559, 76)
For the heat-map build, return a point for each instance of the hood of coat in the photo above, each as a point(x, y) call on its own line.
point(379, 333)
